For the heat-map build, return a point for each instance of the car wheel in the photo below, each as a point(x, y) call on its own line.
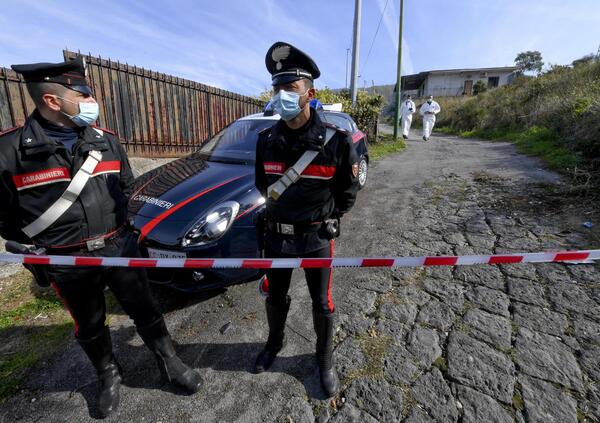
point(363, 170)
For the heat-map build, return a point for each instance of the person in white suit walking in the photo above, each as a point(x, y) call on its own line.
point(406, 111)
point(428, 111)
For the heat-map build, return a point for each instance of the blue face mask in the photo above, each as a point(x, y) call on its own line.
point(287, 104)
point(88, 113)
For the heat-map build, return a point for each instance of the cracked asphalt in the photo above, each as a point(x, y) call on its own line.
point(470, 344)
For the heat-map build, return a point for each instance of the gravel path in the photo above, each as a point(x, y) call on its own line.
point(470, 344)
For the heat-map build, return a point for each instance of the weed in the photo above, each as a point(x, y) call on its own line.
point(385, 145)
point(441, 364)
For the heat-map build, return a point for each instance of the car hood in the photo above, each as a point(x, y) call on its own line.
point(186, 188)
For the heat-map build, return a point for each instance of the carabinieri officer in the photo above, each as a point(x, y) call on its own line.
point(302, 211)
point(64, 187)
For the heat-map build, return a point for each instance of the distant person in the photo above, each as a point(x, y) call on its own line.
point(406, 111)
point(428, 111)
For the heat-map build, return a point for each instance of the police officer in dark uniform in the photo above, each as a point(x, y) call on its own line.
point(302, 220)
point(64, 187)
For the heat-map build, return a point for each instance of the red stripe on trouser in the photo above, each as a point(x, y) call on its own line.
point(66, 306)
point(329, 299)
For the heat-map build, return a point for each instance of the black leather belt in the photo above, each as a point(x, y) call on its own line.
point(293, 229)
point(91, 244)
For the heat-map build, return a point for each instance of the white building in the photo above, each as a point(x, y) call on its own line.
point(455, 82)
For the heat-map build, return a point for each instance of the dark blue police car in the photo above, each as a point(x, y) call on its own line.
point(202, 205)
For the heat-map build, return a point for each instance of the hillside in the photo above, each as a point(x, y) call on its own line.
point(555, 116)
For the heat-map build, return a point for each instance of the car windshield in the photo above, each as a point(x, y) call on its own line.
point(236, 143)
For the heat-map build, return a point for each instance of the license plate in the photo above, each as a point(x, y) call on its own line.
point(156, 253)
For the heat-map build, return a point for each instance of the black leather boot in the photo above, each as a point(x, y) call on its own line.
point(172, 369)
point(324, 330)
point(276, 317)
point(99, 351)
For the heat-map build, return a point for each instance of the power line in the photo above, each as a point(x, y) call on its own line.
point(375, 36)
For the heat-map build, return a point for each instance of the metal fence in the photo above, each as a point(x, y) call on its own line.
point(154, 114)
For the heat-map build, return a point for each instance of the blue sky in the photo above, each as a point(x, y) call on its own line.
point(222, 43)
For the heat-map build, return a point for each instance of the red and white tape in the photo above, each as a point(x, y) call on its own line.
point(585, 256)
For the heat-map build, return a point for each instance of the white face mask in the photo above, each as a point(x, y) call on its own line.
point(88, 113)
point(287, 104)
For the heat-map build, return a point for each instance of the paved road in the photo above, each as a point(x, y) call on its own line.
point(498, 344)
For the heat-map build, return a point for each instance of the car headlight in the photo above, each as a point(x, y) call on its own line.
point(212, 225)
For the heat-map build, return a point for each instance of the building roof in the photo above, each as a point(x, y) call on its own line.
point(413, 82)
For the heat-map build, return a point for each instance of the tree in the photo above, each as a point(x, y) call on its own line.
point(265, 96)
point(529, 61)
point(588, 58)
point(479, 87)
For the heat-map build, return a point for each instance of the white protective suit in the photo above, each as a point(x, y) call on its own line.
point(428, 111)
point(406, 111)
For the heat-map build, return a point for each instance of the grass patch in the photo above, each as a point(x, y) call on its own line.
point(385, 145)
point(447, 130)
point(441, 364)
point(374, 349)
point(34, 327)
point(29, 310)
point(518, 402)
point(517, 398)
point(514, 328)
point(35, 346)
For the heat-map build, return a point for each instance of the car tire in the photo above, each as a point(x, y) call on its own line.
point(363, 171)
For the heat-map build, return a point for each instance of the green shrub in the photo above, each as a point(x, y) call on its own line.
point(365, 112)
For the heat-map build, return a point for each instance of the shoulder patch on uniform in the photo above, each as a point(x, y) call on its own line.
point(7, 131)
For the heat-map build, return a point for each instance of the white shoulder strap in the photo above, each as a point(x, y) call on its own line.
point(67, 198)
point(293, 173)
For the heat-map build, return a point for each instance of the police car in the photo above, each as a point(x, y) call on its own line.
point(202, 205)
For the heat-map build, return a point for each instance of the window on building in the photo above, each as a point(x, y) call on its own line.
point(493, 81)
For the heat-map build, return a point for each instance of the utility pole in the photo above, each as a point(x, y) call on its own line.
point(355, 47)
point(347, 55)
point(399, 75)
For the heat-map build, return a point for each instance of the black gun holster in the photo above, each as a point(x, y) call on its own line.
point(39, 272)
point(260, 220)
point(40, 275)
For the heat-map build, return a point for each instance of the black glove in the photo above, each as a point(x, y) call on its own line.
point(331, 226)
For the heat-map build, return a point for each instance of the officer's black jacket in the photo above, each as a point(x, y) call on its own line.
point(35, 171)
point(326, 186)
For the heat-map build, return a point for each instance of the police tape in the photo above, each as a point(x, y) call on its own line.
point(574, 257)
